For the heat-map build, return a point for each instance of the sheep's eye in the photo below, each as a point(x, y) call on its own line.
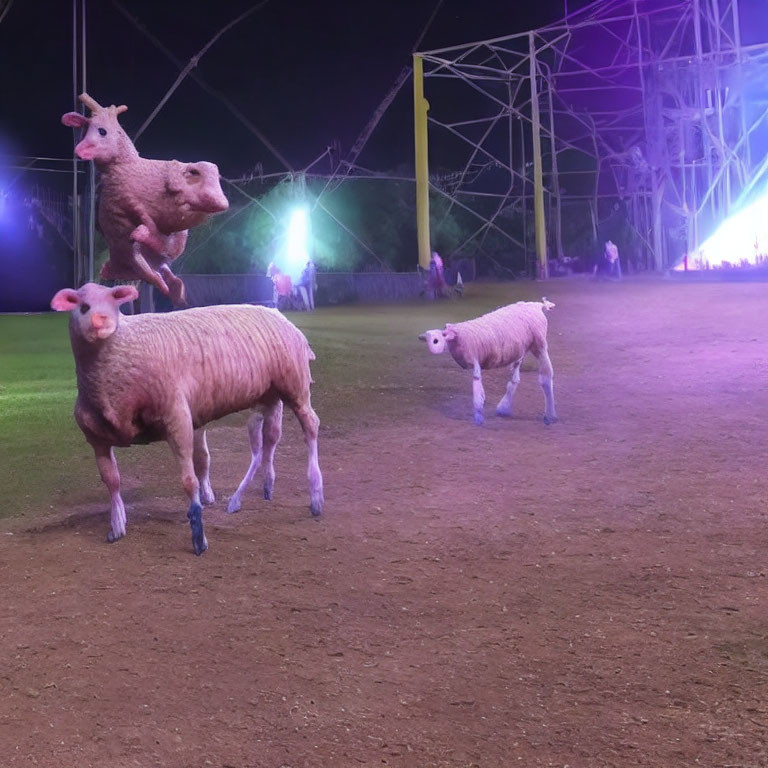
point(434, 341)
point(102, 131)
point(194, 172)
point(84, 308)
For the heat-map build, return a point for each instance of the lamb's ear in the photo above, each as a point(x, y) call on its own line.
point(65, 300)
point(449, 334)
point(122, 293)
point(422, 337)
point(74, 120)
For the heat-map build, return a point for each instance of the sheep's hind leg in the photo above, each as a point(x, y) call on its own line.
point(478, 393)
point(310, 424)
point(181, 439)
point(145, 272)
point(202, 460)
point(105, 461)
point(504, 408)
point(255, 439)
point(272, 431)
point(546, 376)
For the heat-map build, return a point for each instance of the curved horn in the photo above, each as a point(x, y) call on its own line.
point(91, 103)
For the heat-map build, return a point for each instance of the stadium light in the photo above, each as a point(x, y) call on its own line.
point(297, 241)
point(740, 241)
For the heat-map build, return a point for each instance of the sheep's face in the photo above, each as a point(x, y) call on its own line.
point(104, 141)
point(436, 339)
point(94, 308)
point(197, 186)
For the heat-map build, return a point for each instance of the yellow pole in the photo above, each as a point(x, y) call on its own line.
point(538, 181)
point(420, 109)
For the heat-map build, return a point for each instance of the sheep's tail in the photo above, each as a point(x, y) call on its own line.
point(546, 304)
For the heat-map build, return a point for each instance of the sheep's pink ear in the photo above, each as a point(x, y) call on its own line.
point(74, 120)
point(449, 334)
point(65, 300)
point(122, 293)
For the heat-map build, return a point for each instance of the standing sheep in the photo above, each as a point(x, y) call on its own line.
point(146, 206)
point(495, 340)
point(164, 376)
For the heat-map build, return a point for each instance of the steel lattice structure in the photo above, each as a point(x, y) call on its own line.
point(659, 104)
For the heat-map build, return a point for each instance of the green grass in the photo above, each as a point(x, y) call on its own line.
point(39, 441)
point(368, 358)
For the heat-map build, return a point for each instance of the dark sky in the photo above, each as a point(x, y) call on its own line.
point(305, 73)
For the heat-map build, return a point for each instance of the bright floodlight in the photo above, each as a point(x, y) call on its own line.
point(740, 241)
point(297, 243)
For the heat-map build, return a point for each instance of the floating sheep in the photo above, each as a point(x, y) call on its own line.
point(156, 377)
point(146, 207)
point(496, 340)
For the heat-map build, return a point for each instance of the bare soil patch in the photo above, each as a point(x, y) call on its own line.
point(592, 593)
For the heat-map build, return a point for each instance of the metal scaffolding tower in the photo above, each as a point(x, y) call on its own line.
point(660, 106)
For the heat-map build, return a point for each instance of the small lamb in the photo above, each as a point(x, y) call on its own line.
point(152, 377)
point(146, 207)
point(495, 340)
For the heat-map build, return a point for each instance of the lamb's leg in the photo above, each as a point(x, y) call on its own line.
point(181, 439)
point(478, 393)
point(254, 438)
point(152, 239)
point(272, 431)
point(105, 460)
point(504, 408)
point(202, 459)
point(145, 271)
point(546, 375)
point(177, 242)
point(176, 291)
point(310, 424)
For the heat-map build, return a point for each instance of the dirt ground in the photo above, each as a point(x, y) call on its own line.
point(593, 593)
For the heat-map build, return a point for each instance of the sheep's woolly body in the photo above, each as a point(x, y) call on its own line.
point(218, 360)
point(146, 207)
point(498, 339)
point(501, 337)
point(153, 377)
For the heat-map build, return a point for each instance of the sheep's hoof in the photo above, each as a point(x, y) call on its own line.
point(195, 515)
point(207, 496)
point(550, 419)
point(267, 493)
point(113, 537)
point(316, 508)
point(233, 506)
point(478, 418)
point(505, 412)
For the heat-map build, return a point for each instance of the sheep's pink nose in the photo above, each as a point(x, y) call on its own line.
point(98, 321)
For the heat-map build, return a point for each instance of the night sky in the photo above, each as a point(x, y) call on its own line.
point(304, 73)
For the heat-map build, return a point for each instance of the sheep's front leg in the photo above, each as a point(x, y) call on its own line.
point(177, 242)
point(181, 439)
point(150, 238)
point(478, 393)
point(105, 461)
point(504, 408)
point(202, 460)
point(546, 376)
